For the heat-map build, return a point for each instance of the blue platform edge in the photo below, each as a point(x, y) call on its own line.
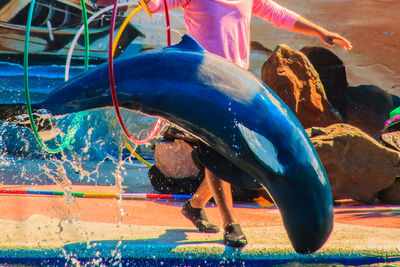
point(135, 253)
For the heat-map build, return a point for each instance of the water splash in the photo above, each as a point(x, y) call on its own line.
point(91, 140)
point(93, 149)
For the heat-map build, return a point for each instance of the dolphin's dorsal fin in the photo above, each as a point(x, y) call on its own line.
point(189, 44)
point(263, 149)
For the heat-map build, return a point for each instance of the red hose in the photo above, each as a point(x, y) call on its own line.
point(112, 81)
point(167, 22)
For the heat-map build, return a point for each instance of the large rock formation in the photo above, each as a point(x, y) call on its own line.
point(332, 73)
point(293, 78)
point(357, 166)
point(366, 106)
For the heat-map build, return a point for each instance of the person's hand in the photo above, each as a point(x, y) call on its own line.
point(331, 38)
point(305, 26)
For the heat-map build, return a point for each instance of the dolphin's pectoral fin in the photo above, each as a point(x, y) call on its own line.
point(303, 200)
point(262, 149)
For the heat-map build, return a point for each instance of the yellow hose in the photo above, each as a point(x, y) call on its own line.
point(122, 28)
point(143, 6)
point(136, 154)
point(146, 9)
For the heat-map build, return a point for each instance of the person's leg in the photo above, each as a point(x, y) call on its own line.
point(202, 195)
point(221, 190)
point(194, 209)
point(233, 235)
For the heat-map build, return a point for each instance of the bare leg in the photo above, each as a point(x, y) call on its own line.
point(221, 190)
point(233, 234)
point(194, 208)
point(202, 195)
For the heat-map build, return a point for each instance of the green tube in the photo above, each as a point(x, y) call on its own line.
point(26, 82)
point(77, 194)
point(85, 21)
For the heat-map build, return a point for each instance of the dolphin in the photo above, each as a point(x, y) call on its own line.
point(230, 110)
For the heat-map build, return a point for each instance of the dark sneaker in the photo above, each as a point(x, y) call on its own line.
point(199, 219)
point(234, 236)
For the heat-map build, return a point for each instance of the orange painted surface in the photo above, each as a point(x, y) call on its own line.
point(163, 212)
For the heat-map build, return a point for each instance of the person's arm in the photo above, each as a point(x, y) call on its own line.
point(282, 17)
point(305, 26)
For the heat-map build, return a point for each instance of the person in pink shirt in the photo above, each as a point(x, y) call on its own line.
point(222, 27)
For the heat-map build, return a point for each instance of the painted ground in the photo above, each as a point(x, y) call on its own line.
point(48, 229)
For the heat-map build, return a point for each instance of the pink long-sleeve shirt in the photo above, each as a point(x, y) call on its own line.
point(222, 27)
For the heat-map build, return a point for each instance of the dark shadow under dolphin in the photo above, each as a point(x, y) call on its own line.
point(228, 109)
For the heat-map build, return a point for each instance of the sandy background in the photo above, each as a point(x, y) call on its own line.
point(372, 26)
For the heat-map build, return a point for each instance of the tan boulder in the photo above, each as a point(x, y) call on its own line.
point(293, 78)
point(332, 74)
point(357, 166)
point(392, 139)
point(174, 159)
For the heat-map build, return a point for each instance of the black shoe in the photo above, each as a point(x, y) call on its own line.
point(234, 236)
point(199, 219)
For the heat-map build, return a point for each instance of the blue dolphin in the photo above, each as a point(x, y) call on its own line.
point(228, 109)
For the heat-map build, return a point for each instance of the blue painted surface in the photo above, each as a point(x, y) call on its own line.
point(230, 110)
point(145, 253)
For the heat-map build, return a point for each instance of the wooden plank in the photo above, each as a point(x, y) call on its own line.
point(12, 8)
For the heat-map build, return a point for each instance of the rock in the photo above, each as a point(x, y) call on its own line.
point(357, 166)
point(257, 46)
point(293, 78)
point(174, 159)
point(392, 139)
point(391, 195)
point(332, 74)
point(367, 108)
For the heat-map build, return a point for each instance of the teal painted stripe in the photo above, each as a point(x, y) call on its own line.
point(157, 252)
